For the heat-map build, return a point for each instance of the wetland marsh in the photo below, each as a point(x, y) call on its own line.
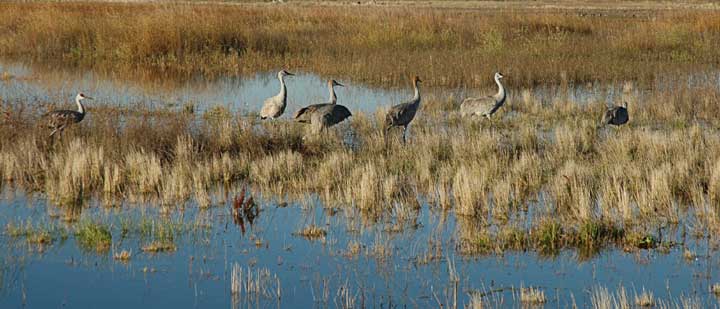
point(173, 193)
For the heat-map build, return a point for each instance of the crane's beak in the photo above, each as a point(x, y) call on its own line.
point(339, 84)
point(288, 73)
point(89, 98)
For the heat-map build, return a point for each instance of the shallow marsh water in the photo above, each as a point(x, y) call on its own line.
point(370, 264)
point(390, 267)
point(246, 94)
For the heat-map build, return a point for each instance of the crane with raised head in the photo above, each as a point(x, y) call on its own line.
point(274, 106)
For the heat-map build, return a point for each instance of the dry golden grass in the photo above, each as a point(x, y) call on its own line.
point(715, 289)
point(159, 246)
point(448, 46)
point(123, 256)
point(532, 296)
point(312, 232)
point(602, 298)
point(645, 299)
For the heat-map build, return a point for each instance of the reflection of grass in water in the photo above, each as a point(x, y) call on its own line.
point(251, 286)
point(353, 249)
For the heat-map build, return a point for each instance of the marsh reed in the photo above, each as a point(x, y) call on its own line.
point(447, 46)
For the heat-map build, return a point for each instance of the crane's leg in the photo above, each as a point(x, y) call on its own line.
point(386, 131)
point(404, 133)
point(58, 130)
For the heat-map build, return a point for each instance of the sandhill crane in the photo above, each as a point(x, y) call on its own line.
point(485, 106)
point(402, 114)
point(328, 116)
point(305, 114)
point(274, 107)
point(616, 115)
point(58, 120)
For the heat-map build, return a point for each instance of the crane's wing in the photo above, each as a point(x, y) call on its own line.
point(395, 114)
point(270, 108)
point(336, 114)
point(477, 106)
point(304, 114)
point(60, 117)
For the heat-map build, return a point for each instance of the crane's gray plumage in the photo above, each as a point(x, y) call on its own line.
point(485, 106)
point(305, 114)
point(616, 115)
point(274, 107)
point(324, 115)
point(402, 114)
point(328, 116)
point(58, 120)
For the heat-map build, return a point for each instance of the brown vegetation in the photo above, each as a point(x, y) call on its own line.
point(448, 46)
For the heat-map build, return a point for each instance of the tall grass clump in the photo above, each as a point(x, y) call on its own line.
point(92, 235)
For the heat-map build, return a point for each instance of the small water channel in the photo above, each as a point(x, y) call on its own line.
point(246, 94)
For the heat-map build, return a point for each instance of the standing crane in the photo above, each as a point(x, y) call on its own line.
point(324, 115)
point(485, 106)
point(304, 115)
point(274, 106)
point(616, 115)
point(58, 120)
point(328, 116)
point(402, 114)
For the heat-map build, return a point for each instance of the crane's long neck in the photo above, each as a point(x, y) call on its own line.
point(416, 98)
point(333, 97)
point(501, 90)
point(283, 89)
point(81, 108)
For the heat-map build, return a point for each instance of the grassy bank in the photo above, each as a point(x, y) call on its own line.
point(379, 45)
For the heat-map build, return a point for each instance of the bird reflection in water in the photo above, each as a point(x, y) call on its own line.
point(244, 210)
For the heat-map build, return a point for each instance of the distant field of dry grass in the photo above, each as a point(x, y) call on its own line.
point(377, 44)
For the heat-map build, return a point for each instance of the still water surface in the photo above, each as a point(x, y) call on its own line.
point(310, 272)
